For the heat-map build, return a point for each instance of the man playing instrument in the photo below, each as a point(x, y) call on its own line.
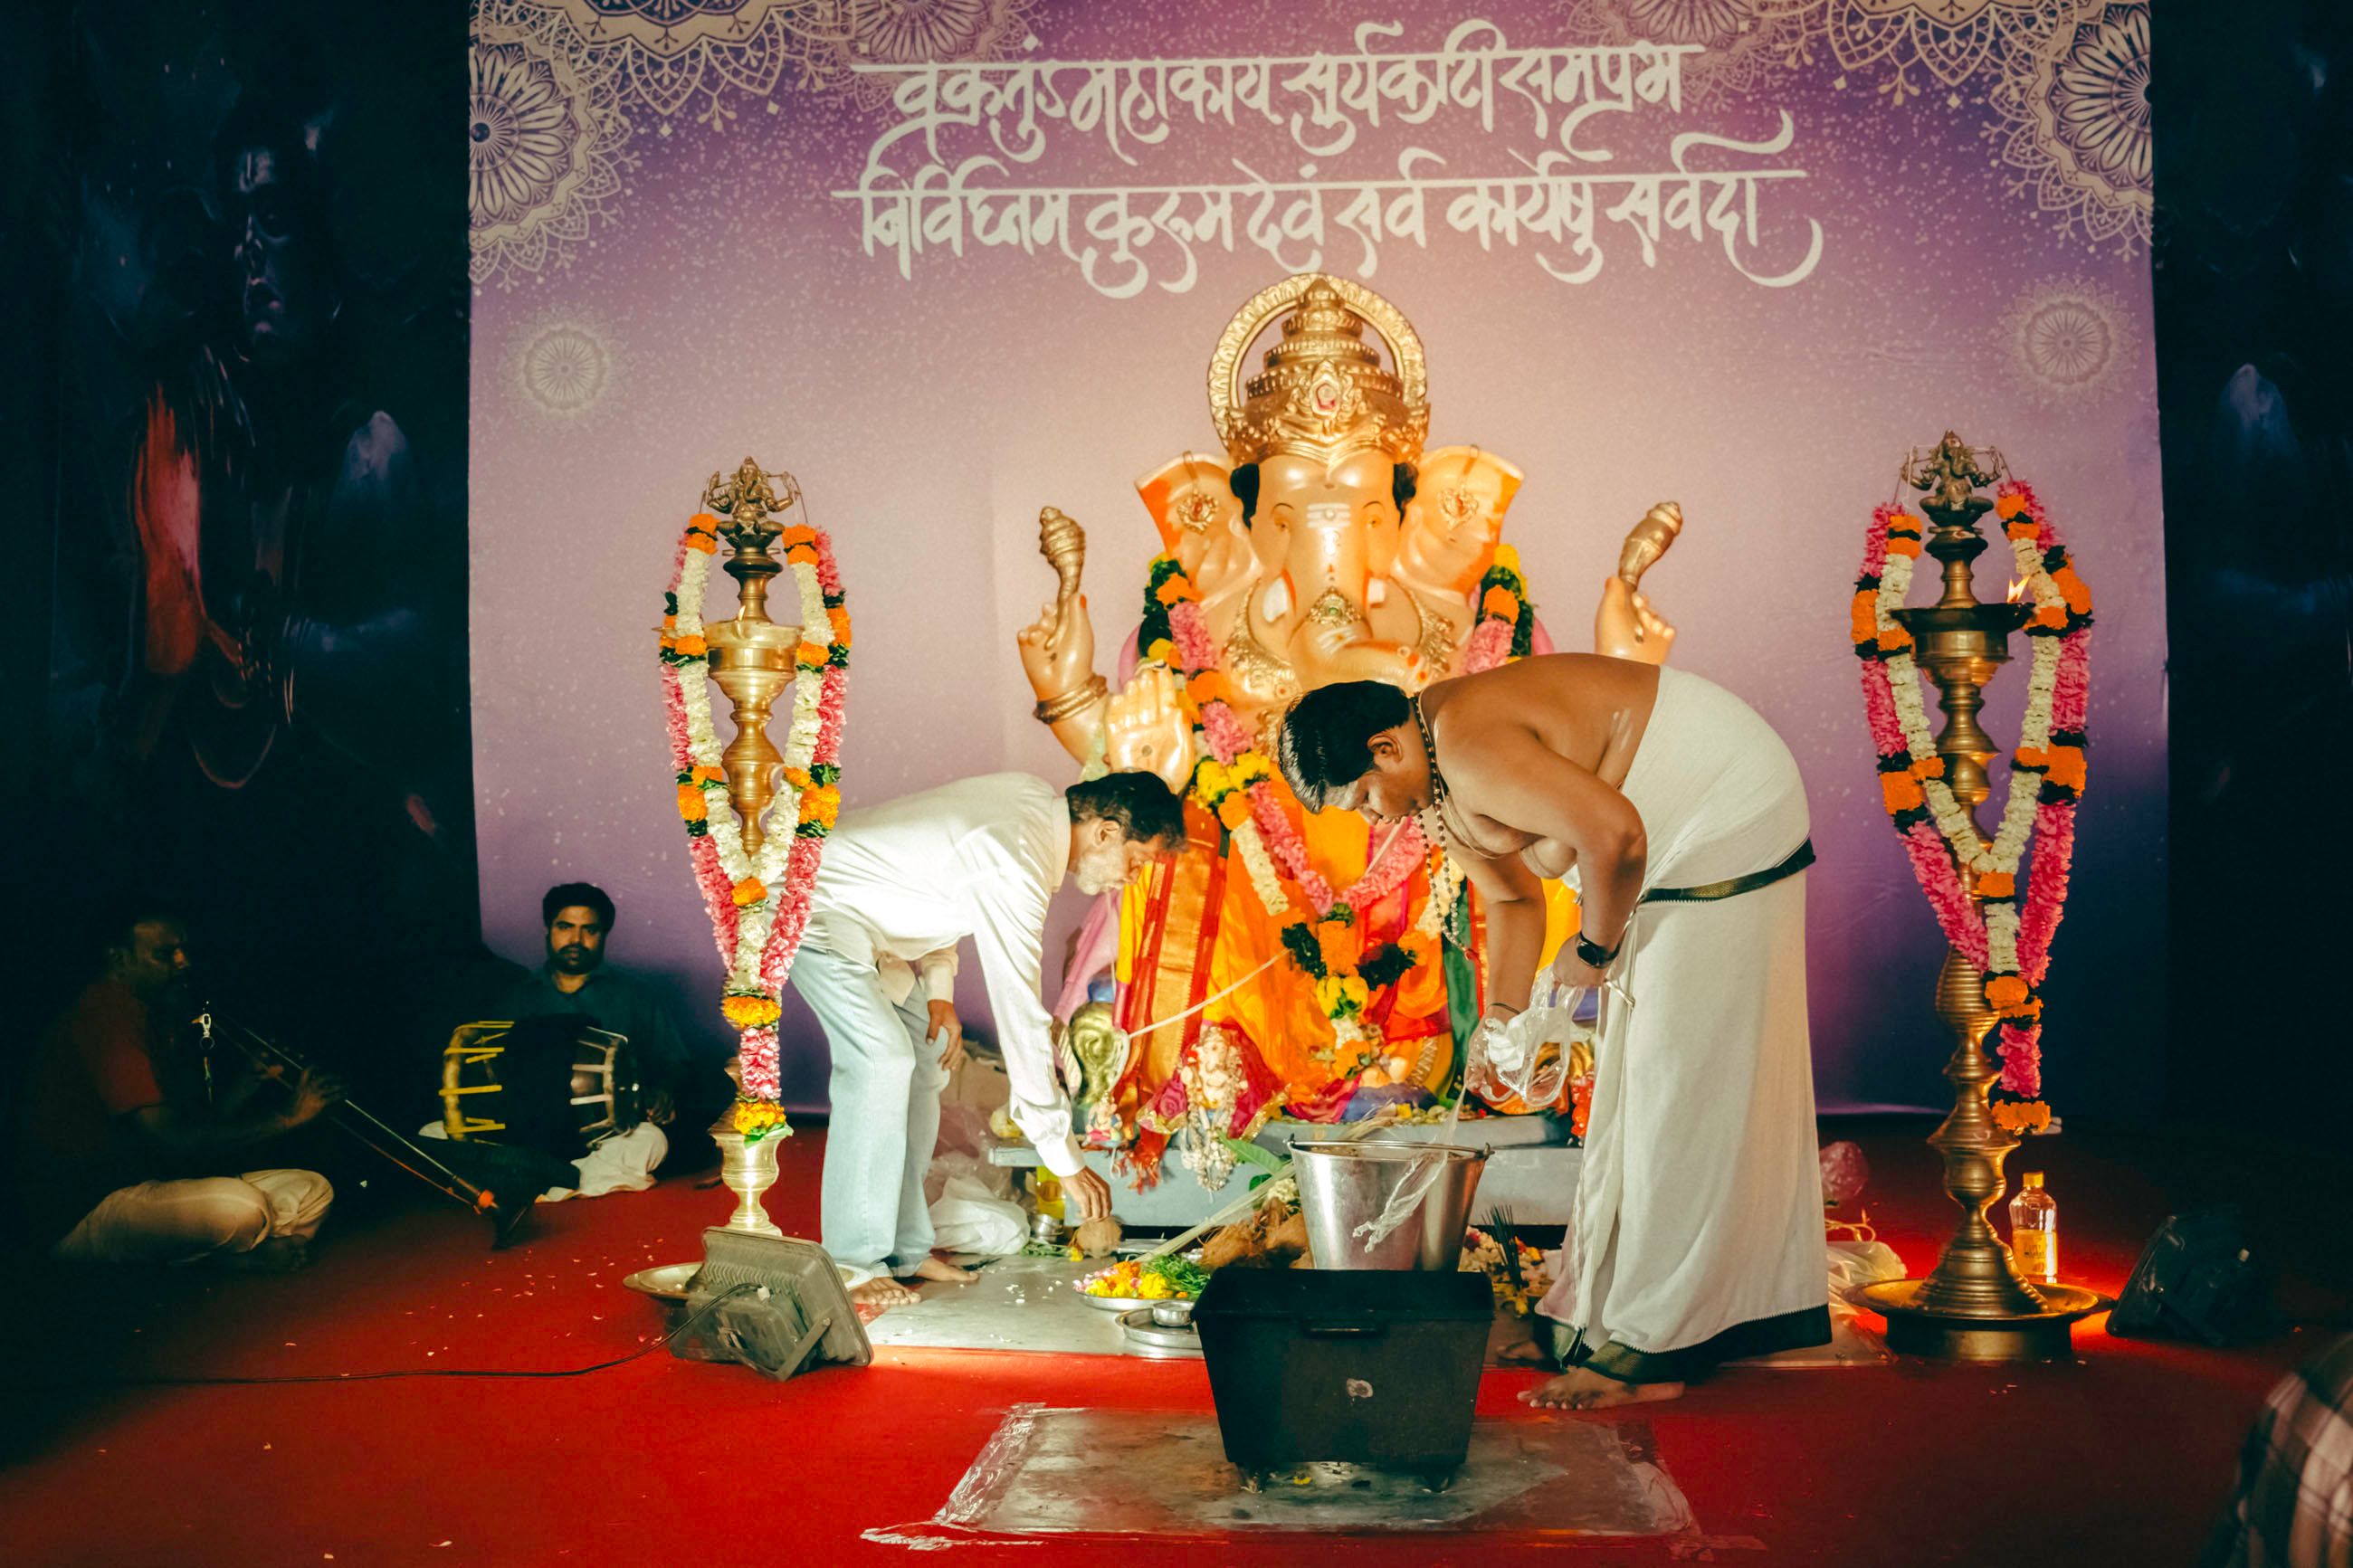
point(901, 885)
point(1698, 1233)
point(114, 1120)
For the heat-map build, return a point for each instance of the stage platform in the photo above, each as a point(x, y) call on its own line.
point(1530, 1177)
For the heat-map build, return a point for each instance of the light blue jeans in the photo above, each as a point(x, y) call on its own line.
point(885, 1120)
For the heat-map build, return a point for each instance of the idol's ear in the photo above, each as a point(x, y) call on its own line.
point(1192, 501)
point(1454, 519)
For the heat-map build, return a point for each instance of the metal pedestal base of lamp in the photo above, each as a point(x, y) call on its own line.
point(1915, 1329)
point(748, 1166)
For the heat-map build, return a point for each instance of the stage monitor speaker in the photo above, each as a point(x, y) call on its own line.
point(776, 1303)
point(1369, 1367)
point(2195, 1277)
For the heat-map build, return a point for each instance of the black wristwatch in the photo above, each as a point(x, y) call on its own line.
point(1593, 952)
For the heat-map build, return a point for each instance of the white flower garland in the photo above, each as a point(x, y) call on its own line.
point(2007, 851)
point(754, 920)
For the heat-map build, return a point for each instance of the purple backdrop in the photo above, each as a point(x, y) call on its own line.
point(669, 279)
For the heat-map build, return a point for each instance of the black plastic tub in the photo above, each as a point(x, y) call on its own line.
point(1368, 1367)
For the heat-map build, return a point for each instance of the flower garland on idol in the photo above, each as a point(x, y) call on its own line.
point(2008, 940)
point(1236, 783)
point(758, 904)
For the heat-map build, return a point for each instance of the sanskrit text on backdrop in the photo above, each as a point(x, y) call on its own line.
point(1124, 236)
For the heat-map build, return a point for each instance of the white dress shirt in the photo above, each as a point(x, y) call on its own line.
point(902, 883)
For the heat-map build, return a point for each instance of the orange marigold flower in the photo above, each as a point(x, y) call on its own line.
point(2010, 506)
point(2053, 618)
point(797, 536)
point(670, 623)
point(749, 1012)
point(1997, 885)
point(750, 890)
point(2005, 991)
point(1865, 614)
point(2021, 528)
point(1177, 588)
point(1901, 791)
point(821, 806)
point(701, 541)
point(1501, 603)
point(1894, 639)
point(2032, 757)
point(1338, 945)
point(2072, 589)
point(2068, 767)
point(1209, 686)
point(1234, 809)
point(801, 555)
point(799, 778)
point(812, 654)
point(2032, 1116)
point(692, 648)
point(1931, 766)
point(840, 619)
point(710, 775)
point(689, 802)
point(1904, 544)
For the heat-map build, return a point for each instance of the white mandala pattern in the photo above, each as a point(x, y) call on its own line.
point(544, 143)
point(2068, 341)
point(677, 56)
point(1746, 49)
point(2074, 127)
point(1915, 46)
point(562, 368)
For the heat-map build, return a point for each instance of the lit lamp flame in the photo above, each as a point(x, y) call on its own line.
point(2017, 588)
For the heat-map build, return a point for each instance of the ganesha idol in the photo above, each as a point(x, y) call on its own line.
point(1314, 966)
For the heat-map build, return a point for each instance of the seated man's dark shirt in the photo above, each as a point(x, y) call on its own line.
point(95, 1067)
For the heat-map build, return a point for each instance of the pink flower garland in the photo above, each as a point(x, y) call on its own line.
point(757, 1046)
point(1957, 915)
point(1490, 645)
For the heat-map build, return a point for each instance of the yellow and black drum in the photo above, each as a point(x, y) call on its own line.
point(555, 1084)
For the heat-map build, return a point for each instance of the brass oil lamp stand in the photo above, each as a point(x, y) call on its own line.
point(1973, 1306)
point(752, 664)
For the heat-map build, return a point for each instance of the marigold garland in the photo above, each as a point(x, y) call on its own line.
point(2009, 945)
point(1238, 785)
point(757, 928)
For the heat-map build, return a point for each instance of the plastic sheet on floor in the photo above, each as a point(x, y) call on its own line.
point(1053, 1471)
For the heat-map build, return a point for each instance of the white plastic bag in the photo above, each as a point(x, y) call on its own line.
point(1526, 1058)
point(966, 1217)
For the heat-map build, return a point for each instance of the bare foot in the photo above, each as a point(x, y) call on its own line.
point(880, 1294)
point(279, 1255)
point(1525, 1352)
point(1585, 1389)
point(940, 1271)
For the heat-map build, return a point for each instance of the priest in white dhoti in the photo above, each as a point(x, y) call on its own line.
point(901, 886)
point(1680, 816)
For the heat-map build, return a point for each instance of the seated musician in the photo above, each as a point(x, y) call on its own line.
point(122, 1146)
point(574, 982)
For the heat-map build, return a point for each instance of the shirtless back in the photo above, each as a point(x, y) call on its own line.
point(1584, 709)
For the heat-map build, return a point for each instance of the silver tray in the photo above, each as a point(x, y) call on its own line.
point(1110, 1303)
point(669, 1281)
point(1146, 1338)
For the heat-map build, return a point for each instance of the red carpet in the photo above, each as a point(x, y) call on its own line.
point(2123, 1457)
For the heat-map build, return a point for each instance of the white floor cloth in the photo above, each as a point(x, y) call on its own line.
point(622, 1163)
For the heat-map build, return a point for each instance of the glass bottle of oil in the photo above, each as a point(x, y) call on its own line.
point(2034, 1231)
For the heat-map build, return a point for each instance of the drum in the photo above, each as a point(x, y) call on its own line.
point(555, 1084)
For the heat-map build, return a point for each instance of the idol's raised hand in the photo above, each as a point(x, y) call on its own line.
point(1144, 728)
point(1058, 648)
point(1627, 626)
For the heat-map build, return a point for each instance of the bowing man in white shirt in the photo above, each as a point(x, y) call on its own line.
point(901, 885)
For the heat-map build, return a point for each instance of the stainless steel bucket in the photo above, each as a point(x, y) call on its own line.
point(1345, 1185)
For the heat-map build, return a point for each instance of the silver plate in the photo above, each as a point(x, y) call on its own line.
point(1146, 1338)
point(669, 1281)
point(1110, 1303)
